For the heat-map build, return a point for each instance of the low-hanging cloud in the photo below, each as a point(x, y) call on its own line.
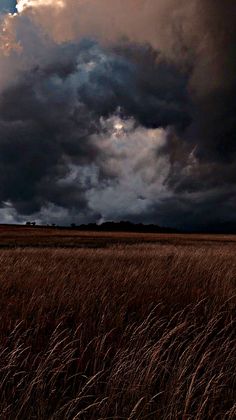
point(113, 110)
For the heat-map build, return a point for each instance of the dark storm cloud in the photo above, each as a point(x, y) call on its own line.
point(49, 115)
point(212, 132)
point(194, 211)
point(214, 80)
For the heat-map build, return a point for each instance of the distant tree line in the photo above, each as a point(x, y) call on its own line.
point(123, 226)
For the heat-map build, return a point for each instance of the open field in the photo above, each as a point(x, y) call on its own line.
point(117, 326)
point(21, 236)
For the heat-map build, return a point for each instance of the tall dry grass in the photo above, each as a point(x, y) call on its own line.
point(129, 332)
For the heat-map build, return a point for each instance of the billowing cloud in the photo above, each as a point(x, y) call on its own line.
point(59, 127)
point(112, 110)
point(28, 4)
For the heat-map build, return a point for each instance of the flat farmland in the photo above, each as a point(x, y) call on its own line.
point(20, 236)
point(116, 325)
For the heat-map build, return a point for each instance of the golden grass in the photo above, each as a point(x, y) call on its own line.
point(126, 332)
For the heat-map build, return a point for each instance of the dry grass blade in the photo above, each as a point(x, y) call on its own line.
point(134, 412)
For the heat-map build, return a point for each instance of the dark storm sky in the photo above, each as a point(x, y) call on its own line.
point(118, 110)
point(8, 5)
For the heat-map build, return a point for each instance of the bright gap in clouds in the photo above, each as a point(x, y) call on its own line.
point(23, 4)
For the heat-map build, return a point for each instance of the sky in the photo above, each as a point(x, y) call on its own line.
point(7, 5)
point(118, 110)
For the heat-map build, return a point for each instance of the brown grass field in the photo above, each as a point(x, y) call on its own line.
point(98, 326)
